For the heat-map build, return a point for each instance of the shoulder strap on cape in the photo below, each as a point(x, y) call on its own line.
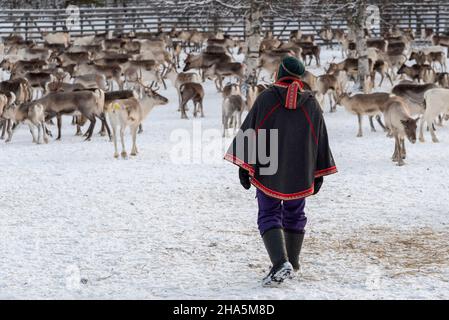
point(295, 86)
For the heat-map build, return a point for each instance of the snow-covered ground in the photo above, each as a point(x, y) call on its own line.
point(77, 223)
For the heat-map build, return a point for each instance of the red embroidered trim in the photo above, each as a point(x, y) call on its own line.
point(282, 85)
point(276, 194)
point(292, 96)
point(326, 172)
point(231, 158)
point(281, 82)
point(267, 116)
point(292, 91)
point(282, 196)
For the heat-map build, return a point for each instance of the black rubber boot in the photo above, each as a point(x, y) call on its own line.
point(293, 243)
point(275, 244)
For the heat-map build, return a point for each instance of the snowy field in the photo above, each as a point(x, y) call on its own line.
point(77, 223)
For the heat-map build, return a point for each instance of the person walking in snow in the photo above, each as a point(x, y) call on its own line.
point(285, 126)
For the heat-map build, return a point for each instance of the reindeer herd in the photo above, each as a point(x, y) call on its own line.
point(417, 74)
point(116, 78)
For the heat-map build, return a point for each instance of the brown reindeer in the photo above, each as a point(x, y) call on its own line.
point(414, 95)
point(195, 92)
point(331, 84)
point(204, 60)
point(111, 72)
point(227, 69)
point(350, 65)
point(309, 49)
point(89, 103)
point(371, 104)
point(379, 44)
point(442, 78)
point(418, 72)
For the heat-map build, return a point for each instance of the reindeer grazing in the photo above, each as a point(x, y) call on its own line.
point(400, 124)
point(371, 104)
point(195, 92)
point(124, 112)
point(413, 95)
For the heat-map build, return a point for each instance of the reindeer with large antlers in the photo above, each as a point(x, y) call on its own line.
point(124, 111)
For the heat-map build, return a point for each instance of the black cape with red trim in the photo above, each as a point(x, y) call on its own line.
point(303, 148)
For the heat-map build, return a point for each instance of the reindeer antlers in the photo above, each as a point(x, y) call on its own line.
point(146, 87)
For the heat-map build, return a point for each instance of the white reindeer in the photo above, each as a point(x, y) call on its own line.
point(130, 113)
point(437, 103)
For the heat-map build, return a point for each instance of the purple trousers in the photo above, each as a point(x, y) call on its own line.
point(275, 213)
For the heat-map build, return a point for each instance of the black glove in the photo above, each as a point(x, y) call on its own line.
point(318, 184)
point(244, 178)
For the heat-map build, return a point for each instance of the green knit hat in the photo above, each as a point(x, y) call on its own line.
point(290, 67)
